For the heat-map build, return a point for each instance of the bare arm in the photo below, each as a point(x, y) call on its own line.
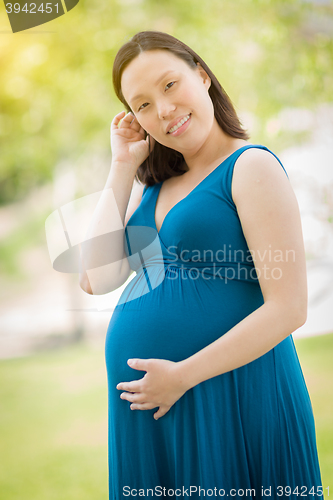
point(134, 202)
point(128, 198)
point(103, 262)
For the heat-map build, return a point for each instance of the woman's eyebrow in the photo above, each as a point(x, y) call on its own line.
point(156, 83)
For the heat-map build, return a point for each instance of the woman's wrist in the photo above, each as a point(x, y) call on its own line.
point(185, 375)
point(121, 172)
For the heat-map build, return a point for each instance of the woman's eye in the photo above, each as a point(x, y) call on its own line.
point(141, 107)
point(171, 83)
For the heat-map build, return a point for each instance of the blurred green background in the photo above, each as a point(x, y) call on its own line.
point(57, 104)
point(56, 92)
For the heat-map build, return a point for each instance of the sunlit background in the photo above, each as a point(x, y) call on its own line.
point(275, 60)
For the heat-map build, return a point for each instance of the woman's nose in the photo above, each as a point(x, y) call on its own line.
point(164, 108)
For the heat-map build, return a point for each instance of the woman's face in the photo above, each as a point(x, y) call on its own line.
point(162, 90)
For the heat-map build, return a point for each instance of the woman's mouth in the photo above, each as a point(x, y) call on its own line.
point(181, 126)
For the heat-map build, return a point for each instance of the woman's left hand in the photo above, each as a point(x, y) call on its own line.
point(161, 386)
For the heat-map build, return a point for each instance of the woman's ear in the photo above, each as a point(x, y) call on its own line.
point(205, 77)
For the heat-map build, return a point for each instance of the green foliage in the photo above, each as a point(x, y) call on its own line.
point(56, 86)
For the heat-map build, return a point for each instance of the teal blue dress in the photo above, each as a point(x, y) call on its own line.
point(251, 428)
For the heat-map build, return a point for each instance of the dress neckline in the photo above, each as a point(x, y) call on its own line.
point(195, 187)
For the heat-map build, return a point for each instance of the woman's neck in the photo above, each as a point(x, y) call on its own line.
point(216, 148)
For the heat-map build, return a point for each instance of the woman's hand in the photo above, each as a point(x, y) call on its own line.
point(161, 386)
point(128, 143)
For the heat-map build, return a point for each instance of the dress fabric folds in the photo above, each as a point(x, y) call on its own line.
point(249, 432)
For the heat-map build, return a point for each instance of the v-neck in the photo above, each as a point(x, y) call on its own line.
point(195, 187)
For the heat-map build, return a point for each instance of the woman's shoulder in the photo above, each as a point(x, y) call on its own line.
point(254, 167)
point(257, 159)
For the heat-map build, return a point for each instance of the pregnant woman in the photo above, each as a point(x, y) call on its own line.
point(206, 393)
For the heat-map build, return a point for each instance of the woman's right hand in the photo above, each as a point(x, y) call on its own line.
point(128, 143)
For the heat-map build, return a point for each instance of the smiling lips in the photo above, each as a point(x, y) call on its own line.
point(179, 124)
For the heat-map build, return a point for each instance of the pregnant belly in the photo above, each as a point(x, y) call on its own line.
point(174, 321)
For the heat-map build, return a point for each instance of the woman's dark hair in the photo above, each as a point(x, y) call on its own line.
point(164, 162)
